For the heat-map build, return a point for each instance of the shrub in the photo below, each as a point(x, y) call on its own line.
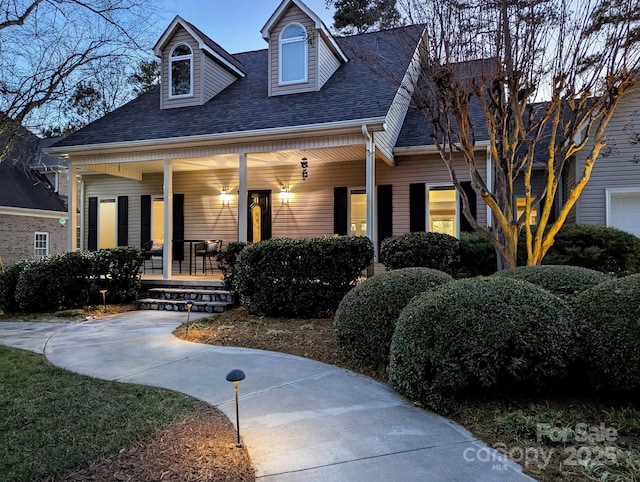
point(607, 317)
point(8, 282)
point(477, 255)
point(227, 260)
point(563, 281)
point(54, 282)
point(367, 315)
point(116, 270)
point(428, 250)
point(300, 278)
point(596, 247)
point(478, 334)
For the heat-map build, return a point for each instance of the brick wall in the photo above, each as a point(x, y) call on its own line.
point(17, 236)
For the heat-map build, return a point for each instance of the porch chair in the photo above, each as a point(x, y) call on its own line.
point(208, 250)
point(152, 250)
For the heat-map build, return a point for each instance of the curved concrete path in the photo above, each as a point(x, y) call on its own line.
point(299, 419)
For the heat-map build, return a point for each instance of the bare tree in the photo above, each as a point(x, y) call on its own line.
point(547, 77)
point(47, 46)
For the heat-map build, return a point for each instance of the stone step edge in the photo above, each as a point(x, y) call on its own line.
point(183, 302)
point(187, 291)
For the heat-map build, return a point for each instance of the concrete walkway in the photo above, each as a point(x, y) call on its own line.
point(300, 420)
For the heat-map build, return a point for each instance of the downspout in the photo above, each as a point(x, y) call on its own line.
point(371, 189)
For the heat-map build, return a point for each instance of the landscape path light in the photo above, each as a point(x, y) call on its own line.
point(104, 299)
point(236, 376)
point(189, 304)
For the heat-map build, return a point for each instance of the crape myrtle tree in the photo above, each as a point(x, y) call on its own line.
point(47, 47)
point(547, 76)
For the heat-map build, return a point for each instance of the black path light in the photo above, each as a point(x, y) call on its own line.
point(189, 304)
point(236, 376)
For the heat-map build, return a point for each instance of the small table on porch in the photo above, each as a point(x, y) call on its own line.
point(191, 242)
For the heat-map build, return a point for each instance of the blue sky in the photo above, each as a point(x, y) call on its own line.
point(234, 24)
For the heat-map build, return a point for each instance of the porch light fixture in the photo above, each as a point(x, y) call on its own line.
point(236, 376)
point(285, 195)
point(304, 164)
point(225, 197)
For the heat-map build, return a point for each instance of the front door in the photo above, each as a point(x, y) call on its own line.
point(259, 216)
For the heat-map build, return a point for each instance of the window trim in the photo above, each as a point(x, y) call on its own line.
point(36, 247)
point(172, 59)
point(350, 192)
point(436, 187)
point(282, 41)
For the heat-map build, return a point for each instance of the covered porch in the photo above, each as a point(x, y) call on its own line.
point(291, 185)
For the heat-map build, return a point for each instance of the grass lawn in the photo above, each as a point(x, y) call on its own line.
point(57, 425)
point(554, 437)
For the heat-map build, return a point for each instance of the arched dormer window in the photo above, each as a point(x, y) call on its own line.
point(293, 54)
point(181, 71)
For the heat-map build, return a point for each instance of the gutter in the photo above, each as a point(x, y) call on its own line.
point(373, 124)
point(429, 149)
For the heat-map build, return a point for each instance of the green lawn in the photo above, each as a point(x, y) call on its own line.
point(52, 419)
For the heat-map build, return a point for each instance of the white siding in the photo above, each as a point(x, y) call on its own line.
point(182, 36)
point(618, 165)
point(215, 78)
point(293, 15)
point(327, 62)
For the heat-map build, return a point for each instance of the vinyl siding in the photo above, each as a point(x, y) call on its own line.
point(308, 213)
point(618, 165)
point(293, 15)
point(327, 62)
point(215, 78)
point(182, 36)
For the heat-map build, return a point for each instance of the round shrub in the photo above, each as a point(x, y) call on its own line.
point(367, 315)
point(428, 250)
point(477, 256)
point(609, 324)
point(476, 334)
point(609, 250)
point(563, 281)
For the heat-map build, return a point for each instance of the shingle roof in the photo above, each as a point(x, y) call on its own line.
point(353, 92)
point(217, 48)
point(21, 186)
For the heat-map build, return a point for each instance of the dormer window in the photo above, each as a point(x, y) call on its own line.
point(293, 54)
point(181, 71)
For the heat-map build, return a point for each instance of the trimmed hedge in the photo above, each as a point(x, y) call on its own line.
point(118, 271)
point(227, 260)
point(563, 281)
point(71, 280)
point(608, 318)
point(478, 334)
point(300, 278)
point(8, 282)
point(420, 249)
point(367, 315)
point(477, 255)
point(57, 281)
point(609, 250)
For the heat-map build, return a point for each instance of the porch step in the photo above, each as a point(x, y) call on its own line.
point(207, 298)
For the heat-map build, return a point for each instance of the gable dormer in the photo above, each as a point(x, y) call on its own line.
point(194, 67)
point(302, 53)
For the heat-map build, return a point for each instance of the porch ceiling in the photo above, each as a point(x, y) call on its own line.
point(254, 159)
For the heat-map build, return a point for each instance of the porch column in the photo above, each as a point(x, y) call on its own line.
point(72, 208)
point(242, 198)
point(372, 223)
point(490, 184)
point(167, 187)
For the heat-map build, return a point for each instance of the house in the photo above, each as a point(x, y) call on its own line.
point(304, 138)
point(32, 214)
point(612, 195)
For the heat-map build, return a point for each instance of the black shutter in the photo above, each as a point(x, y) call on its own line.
point(178, 226)
point(340, 200)
point(385, 212)
point(145, 219)
point(93, 224)
point(123, 220)
point(465, 226)
point(417, 208)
